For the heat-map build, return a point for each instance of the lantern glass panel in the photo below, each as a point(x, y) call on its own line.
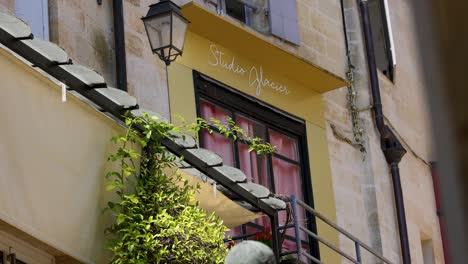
point(179, 30)
point(159, 31)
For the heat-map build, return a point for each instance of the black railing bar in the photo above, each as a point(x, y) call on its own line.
point(341, 230)
point(296, 226)
point(286, 227)
point(312, 258)
point(358, 251)
point(293, 239)
point(255, 225)
point(324, 219)
point(240, 237)
point(370, 250)
point(288, 252)
point(328, 244)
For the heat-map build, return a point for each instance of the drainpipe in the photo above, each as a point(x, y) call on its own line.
point(390, 145)
point(119, 40)
point(375, 90)
point(394, 152)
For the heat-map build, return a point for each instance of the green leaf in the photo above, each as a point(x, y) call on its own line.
point(133, 199)
point(120, 219)
point(148, 135)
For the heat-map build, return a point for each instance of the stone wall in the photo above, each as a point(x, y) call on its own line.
point(363, 187)
point(85, 30)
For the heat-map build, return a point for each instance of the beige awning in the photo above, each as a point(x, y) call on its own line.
point(229, 211)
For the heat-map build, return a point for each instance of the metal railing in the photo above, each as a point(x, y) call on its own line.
point(358, 244)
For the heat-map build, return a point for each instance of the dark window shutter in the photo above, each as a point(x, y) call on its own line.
point(283, 20)
point(381, 37)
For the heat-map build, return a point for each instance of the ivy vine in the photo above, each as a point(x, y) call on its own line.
point(157, 218)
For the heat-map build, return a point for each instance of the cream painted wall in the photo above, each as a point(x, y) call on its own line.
point(322, 184)
point(53, 157)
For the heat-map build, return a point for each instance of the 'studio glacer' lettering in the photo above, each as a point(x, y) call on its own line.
point(257, 78)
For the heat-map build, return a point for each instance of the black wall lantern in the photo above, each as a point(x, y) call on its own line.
point(166, 28)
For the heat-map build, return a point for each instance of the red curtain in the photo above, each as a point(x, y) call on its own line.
point(286, 169)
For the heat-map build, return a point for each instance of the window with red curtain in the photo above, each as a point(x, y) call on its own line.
point(283, 172)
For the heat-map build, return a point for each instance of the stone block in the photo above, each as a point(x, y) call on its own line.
point(308, 54)
point(330, 8)
point(336, 66)
point(335, 50)
point(303, 14)
point(313, 39)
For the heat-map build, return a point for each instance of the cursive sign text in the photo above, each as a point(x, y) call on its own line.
point(257, 79)
point(219, 60)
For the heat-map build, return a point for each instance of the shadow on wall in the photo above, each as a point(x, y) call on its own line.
point(443, 38)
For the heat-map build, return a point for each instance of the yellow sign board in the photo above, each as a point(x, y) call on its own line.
point(252, 77)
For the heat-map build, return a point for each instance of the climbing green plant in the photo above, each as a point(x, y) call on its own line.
point(229, 130)
point(157, 219)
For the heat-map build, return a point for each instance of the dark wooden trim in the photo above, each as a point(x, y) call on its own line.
point(240, 102)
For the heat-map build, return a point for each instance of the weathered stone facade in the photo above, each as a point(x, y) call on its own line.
point(363, 187)
point(85, 30)
point(362, 182)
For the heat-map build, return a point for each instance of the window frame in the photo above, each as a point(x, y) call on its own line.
point(273, 118)
point(244, 13)
point(279, 18)
point(221, 9)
